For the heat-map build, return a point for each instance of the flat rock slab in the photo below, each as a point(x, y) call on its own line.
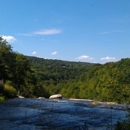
point(56, 114)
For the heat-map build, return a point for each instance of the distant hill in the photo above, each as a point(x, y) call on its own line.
point(55, 62)
point(57, 70)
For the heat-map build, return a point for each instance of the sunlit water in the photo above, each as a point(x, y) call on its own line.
point(46, 114)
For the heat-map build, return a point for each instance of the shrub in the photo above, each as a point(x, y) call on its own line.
point(9, 91)
point(2, 98)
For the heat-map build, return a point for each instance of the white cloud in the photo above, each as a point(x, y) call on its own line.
point(43, 32)
point(9, 38)
point(84, 57)
point(34, 53)
point(113, 31)
point(108, 58)
point(54, 53)
point(48, 32)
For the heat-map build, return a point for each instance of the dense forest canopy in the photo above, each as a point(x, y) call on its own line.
point(58, 71)
point(34, 77)
point(108, 82)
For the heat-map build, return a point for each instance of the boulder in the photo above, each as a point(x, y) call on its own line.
point(41, 98)
point(20, 96)
point(55, 96)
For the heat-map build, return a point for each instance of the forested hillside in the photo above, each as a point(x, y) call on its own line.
point(34, 77)
point(108, 82)
point(53, 72)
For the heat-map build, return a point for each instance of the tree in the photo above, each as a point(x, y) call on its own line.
point(17, 70)
point(20, 70)
point(6, 59)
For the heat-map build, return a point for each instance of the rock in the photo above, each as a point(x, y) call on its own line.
point(95, 103)
point(55, 96)
point(41, 98)
point(21, 97)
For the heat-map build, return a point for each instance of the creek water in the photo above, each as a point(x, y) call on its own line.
point(58, 114)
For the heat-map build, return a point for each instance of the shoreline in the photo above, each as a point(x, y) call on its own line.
point(94, 101)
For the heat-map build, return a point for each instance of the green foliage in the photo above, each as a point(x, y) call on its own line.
point(124, 125)
point(2, 98)
point(9, 91)
point(20, 70)
point(108, 82)
point(41, 91)
point(17, 72)
point(58, 71)
point(5, 59)
point(54, 74)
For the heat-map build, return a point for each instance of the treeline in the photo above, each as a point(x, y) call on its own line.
point(34, 77)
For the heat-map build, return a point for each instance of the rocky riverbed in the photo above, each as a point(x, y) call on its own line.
point(58, 114)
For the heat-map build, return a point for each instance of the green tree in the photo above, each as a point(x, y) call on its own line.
point(21, 70)
point(6, 59)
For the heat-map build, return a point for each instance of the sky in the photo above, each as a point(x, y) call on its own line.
point(95, 31)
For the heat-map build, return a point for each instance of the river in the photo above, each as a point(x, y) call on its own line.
point(58, 114)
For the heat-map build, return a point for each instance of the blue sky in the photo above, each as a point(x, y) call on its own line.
point(96, 31)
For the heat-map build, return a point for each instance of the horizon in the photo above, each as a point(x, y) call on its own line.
point(78, 61)
point(71, 30)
